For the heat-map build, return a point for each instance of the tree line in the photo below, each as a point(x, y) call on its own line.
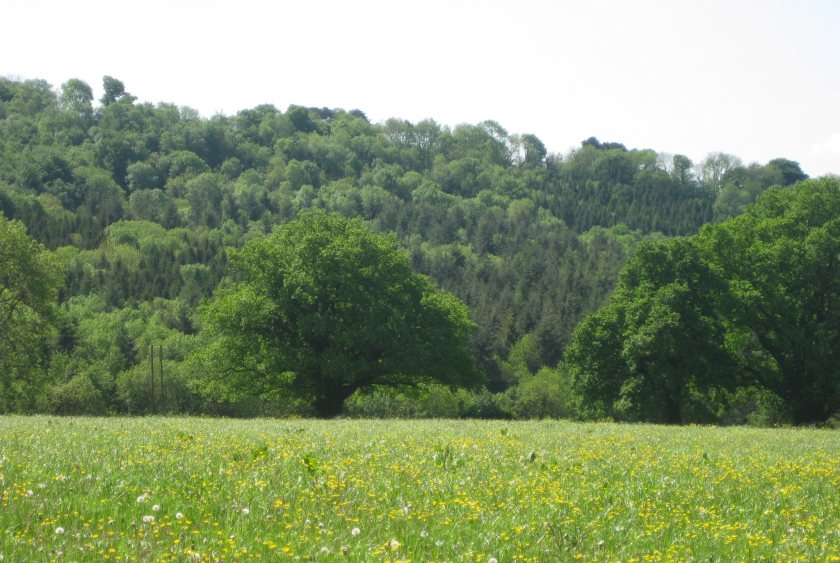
point(141, 207)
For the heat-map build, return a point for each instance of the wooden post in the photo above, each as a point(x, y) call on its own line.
point(162, 388)
point(152, 375)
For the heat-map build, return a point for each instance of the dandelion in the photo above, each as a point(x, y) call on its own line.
point(492, 560)
point(59, 531)
point(179, 516)
point(394, 544)
point(142, 498)
point(355, 532)
point(246, 511)
point(148, 519)
point(439, 543)
point(29, 493)
point(345, 549)
point(424, 534)
point(325, 550)
point(155, 508)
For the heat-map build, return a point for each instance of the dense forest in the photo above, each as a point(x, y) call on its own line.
point(119, 221)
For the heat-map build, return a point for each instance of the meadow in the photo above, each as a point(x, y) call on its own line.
point(180, 489)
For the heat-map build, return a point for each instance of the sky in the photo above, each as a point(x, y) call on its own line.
point(759, 79)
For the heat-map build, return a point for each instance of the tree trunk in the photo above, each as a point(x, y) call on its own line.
point(330, 404)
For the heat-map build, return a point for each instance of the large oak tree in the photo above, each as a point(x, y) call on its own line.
point(753, 302)
point(324, 307)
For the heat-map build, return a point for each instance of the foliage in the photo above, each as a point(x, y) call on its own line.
point(750, 303)
point(324, 307)
point(75, 397)
point(143, 202)
point(545, 394)
point(29, 280)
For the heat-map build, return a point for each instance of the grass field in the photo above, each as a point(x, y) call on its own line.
point(80, 489)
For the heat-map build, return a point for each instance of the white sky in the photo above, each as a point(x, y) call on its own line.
point(756, 78)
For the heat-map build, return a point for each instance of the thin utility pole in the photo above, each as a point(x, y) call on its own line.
point(152, 375)
point(158, 401)
point(162, 388)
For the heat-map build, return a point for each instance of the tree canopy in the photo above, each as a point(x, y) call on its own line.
point(324, 307)
point(748, 304)
point(30, 278)
point(143, 204)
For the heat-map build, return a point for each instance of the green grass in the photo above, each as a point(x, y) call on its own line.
point(420, 490)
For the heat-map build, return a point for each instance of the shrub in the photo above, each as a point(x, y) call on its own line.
point(544, 395)
point(139, 395)
point(756, 406)
point(75, 397)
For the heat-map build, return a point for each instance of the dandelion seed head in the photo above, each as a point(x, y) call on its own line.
point(246, 511)
point(148, 519)
point(355, 531)
point(155, 508)
point(179, 516)
point(424, 534)
point(492, 560)
point(394, 544)
point(439, 543)
point(59, 530)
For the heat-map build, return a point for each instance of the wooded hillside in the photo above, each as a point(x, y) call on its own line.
point(140, 206)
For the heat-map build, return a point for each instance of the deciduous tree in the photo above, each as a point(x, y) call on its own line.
point(324, 307)
point(30, 278)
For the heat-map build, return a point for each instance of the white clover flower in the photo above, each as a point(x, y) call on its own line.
point(59, 530)
point(148, 519)
point(155, 508)
point(355, 532)
point(394, 544)
point(179, 516)
point(246, 511)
